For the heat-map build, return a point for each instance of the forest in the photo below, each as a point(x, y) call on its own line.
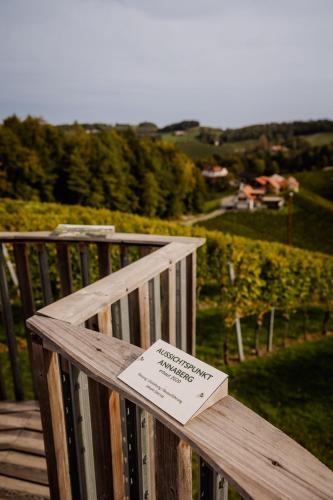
point(109, 169)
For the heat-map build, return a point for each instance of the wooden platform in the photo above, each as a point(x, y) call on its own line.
point(22, 458)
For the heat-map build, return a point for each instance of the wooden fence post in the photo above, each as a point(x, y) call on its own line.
point(47, 375)
point(239, 337)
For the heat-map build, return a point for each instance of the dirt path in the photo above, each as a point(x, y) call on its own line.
point(193, 219)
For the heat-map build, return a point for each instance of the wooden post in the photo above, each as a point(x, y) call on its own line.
point(191, 271)
point(104, 262)
point(169, 305)
point(174, 456)
point(44, 274)
point(173, 466)
point(150, 330)
point(271, 330)
point(27, 297)
point(237, 318)
point(181, 305)
point(115, 431)
point(64, 268)
point(7, 317)
point(47, 374)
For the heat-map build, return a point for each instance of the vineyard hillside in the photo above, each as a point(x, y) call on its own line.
point(267, 274)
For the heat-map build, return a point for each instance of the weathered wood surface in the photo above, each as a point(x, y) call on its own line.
point(260, 460)
point(116, 238)
point(17, 489)
point(87, 302)
point(23, 471)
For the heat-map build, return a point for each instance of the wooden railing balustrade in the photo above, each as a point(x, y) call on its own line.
point(102, 439)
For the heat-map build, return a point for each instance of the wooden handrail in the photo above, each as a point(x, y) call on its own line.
point(260, 460)
point(87, 302)
point(116, 238)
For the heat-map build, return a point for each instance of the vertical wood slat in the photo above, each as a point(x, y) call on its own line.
point(191, 299)
point(104, 262)
point(44, 274)
point(100, 425)
point(104, 321)
point(7, 317)
point(121, 325)
point(53, 421)
point(27, 297)
point(173, 466)
point(181, 305)
point(64, 268)
point(149, 317)
point(115, 431)
point(173, 456)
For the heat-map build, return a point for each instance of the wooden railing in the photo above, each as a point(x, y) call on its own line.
point(48, 267)
point(102, 439)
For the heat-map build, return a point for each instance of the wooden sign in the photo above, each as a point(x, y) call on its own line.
point(66, 230)
point(176, 382)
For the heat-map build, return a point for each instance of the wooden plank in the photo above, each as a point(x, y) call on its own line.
point(147, 295)
point(168, 279)
point(258, 459)
point(7, 317)
point(104, 261)
point(53, 421)
point(191, 299)
point(104, 321)
point(23, 420)
point(83, 432)
point(16, 488)
point(117, 448)
point(84, 304)
point(100, 426)
point(22, 440)
point(155, 308)
point(173, 466)
point(116, 238)
point(169, 446)
point(87, 419)
point(13, 406)
point(181, 305)
point(44, 274)
point(64, 266)
point(23, 466)
point(26, 294)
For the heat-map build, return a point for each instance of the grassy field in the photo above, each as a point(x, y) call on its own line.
point(196, 150)
point(320, 183)
point(312, 223)
point(319, 139)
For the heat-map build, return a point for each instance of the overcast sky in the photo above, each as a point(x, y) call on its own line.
point(225, 63)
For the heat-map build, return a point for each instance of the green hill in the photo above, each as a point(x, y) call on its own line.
point(292, 390)
point(312, 223)
point(319, 182)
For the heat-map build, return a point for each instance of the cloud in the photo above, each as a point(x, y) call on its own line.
point(225, 63)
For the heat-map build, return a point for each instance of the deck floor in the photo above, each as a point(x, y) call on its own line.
point(23, 471)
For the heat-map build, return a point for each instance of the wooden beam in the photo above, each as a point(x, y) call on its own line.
point(136, 239)
point(84, 304)
point(258, 459)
